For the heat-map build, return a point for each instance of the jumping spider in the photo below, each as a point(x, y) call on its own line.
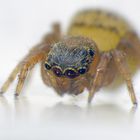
point(96, 47)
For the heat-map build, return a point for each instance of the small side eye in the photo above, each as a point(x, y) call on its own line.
point(91, 52)
point(47, 66)
point(57, 71)
point(84, 52)
point(82, 70)
point(71, 73)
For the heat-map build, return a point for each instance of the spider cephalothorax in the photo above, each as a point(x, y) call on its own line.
point(71, 57)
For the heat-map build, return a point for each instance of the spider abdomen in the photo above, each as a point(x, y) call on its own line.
point(105, 28)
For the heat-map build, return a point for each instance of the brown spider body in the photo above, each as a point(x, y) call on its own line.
point(98, 45)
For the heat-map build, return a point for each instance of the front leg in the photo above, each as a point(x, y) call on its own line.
point(36, 54)
point(10, 79)
point(22, 68)
point(119, 59)
point(99, 75)
point(26, 67)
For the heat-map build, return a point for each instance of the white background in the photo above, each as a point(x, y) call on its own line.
point(39, 114)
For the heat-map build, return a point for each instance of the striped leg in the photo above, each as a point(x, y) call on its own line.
point(99, 76)
point(10, 79)
point(119, 59)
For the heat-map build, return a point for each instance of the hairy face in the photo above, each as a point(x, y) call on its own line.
point(71, 57)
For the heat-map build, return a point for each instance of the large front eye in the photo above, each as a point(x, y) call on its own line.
point(57, 71)
point(71, 73)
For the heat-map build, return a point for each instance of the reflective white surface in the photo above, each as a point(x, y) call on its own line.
point(36, 117)
point(39, 114)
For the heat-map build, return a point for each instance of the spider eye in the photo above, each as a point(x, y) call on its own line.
point(82, 70)
point(84, 52)
point(47, 66)
point(91, 52)
point(57, 71)
point(71, 73)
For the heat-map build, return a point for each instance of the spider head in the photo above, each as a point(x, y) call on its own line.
point(72, 57)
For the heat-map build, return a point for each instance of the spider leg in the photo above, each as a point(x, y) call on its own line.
point(54, 36)
point(119, 59)
point(99, 75)
point(22, 68)
point(36, 54)
point(26, 67)
point(10, 79)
